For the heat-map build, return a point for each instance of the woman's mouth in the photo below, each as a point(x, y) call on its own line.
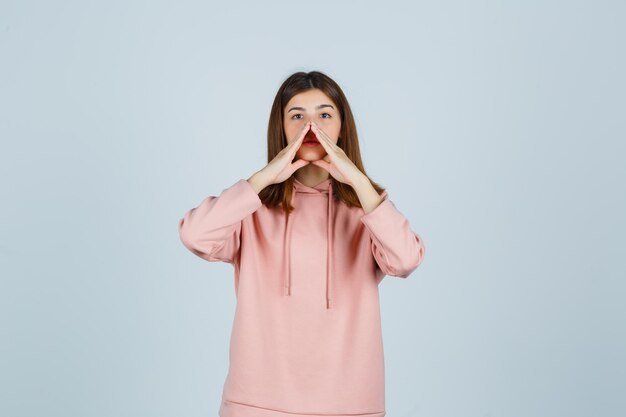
point(310, 139)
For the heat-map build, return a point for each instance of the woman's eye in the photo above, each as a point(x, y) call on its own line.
point(295, 116)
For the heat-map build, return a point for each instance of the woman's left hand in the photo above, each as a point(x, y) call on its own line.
point(336, 162)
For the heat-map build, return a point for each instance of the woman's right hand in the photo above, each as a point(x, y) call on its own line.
point(281, 167)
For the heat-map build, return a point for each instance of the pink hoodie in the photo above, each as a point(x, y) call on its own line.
point(306, 337)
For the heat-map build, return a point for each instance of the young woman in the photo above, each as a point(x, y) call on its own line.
point(310, 237)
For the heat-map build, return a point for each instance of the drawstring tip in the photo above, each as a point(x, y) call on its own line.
point(328, 303)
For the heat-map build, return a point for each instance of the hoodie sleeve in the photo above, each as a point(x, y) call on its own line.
point(212, 229)
point(397, 249)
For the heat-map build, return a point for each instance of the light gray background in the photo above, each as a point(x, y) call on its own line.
point(496, 126)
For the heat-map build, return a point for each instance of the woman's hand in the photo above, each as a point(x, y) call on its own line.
point(336, 162)
point(281, 167)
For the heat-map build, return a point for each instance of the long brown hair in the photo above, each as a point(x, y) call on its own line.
point(280, 194)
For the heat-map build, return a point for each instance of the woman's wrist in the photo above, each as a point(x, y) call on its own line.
point(257, 181)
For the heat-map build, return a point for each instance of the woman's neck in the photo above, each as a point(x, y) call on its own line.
point(311, 175)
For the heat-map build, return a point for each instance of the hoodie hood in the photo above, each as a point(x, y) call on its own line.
point(325, 188)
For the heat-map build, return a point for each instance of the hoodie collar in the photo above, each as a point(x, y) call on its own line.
point(323, 188)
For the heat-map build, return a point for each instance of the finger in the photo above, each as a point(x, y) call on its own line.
point(324, 141)
point(301, 134)
point(325, 136)
point(321, 163)
point(319, 128)
point(295, 145)
point(299, 164)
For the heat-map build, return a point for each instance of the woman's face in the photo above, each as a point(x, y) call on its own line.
point(310, 105)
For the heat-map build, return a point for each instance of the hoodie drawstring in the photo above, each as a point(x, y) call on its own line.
point(287, 276)
point(329, 248)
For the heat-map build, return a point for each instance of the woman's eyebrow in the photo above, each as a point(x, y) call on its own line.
point(321, 106)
